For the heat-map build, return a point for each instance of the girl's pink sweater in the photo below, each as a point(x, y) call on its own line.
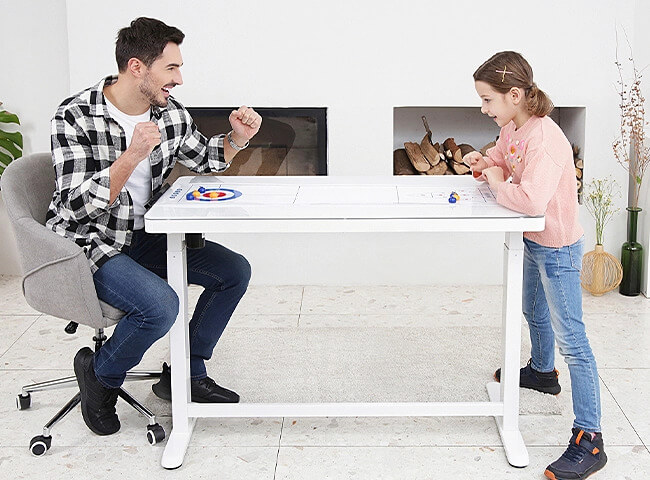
point(539, 158)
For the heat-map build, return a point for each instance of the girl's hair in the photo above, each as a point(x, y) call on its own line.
point(505, 70)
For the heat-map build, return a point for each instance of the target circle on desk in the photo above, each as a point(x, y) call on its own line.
point(213, 194)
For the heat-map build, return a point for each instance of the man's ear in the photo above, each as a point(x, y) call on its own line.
point(515, 95)
point(136, 67)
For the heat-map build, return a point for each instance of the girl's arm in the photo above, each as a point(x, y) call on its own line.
point(539, 182)
point(496, 156)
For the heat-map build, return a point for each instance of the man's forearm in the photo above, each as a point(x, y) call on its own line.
point(229, 152)
point(120, 172)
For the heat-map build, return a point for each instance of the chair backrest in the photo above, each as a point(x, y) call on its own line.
point(31, 182)
point(57, 278)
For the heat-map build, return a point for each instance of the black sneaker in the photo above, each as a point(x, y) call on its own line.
point(97, 401)
point(583, 457)
point(531, 378)
point(203, 391)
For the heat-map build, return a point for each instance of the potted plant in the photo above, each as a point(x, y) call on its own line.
point(601, 271)
point(632, 153)
point(11, 143)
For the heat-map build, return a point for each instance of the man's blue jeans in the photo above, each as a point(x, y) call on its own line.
point(133, 281)
point(552, 304)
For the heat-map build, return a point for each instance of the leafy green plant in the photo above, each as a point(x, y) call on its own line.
point(599, 198)
point(11, 143)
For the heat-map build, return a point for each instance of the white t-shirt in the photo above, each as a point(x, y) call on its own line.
point(139, 183)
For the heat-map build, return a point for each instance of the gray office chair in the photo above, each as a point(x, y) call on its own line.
point(57, 281)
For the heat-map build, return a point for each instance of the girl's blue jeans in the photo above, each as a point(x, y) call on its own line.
point(133, 281)
point(552, 304)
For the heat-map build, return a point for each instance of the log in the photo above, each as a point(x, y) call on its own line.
point(460, 168)
point(465, 148)
point(429, 151)
point(401, 163)
point(416, 156)
point(487, 147)
point(438, 169)
point(451, 150)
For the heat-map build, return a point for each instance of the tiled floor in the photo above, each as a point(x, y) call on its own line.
point(33, 347)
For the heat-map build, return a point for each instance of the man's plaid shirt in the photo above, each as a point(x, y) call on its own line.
point(85, 143)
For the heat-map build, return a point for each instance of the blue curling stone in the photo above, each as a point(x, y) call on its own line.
point(201, 189)
point(452, 199)
point(190, 196)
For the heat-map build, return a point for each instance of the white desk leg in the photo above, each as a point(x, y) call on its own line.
point(508, 388)
point(179, 349)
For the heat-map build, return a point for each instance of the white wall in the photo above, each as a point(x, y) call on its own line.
point(34, 78)
point(642, 59)
point(360, 59)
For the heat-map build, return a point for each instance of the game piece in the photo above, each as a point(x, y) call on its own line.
point(190, 196)
point(196, 194)
point(201, 189)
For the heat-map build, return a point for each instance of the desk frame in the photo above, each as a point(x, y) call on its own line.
point(504, 397)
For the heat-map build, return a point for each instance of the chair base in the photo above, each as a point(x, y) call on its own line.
point(40, 444)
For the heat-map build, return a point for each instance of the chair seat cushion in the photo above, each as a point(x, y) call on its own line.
point(110, 313)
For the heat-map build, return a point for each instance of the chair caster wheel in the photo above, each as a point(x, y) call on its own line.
point(155, 434)
point(23, 402)
point(39, 445)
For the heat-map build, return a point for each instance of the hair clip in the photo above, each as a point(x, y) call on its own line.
point(504, 71)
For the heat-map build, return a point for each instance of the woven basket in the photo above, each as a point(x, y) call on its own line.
point(601, 271)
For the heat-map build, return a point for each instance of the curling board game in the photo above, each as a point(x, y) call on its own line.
point(328, 197)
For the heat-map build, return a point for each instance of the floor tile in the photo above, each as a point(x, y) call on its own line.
point(434, 463)
point(12, 301)
point(13, 326)
point(615, 303)
point(556, 429)
point(271, 300)
point(388, 300)
point(140, 463)
point(18, 427)
point(620, 341)
point(275, 349)
point(389, 432)
point(425, 320)
point(46, 345)
point(631, 390)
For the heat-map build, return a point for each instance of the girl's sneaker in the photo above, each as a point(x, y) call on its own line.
point(531, 378)
point(583, 457)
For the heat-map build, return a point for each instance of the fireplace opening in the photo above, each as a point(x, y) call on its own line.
point(291, 141)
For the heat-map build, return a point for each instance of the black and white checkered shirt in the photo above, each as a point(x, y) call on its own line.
point(85, 143)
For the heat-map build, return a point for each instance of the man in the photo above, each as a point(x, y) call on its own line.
point(113, 145)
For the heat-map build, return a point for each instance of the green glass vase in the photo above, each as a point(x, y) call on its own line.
point(631, 257)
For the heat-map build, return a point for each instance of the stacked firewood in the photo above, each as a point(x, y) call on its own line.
point(428, 158)
point(579, 164)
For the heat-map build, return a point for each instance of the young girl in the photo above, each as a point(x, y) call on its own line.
point(533, 151)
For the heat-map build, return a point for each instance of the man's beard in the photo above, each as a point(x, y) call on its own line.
point(152, 96)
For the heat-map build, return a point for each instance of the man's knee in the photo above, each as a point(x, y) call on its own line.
point(244, 272)
point(164, 312)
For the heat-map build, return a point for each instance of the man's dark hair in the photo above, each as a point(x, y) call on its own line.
point(144, 39)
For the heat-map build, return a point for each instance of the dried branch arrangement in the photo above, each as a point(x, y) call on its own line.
point(629, 147)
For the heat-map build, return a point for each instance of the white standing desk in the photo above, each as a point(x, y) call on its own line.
point(342, 204)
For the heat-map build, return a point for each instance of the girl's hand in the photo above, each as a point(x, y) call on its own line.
point(494, 176)
point(476, 163)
